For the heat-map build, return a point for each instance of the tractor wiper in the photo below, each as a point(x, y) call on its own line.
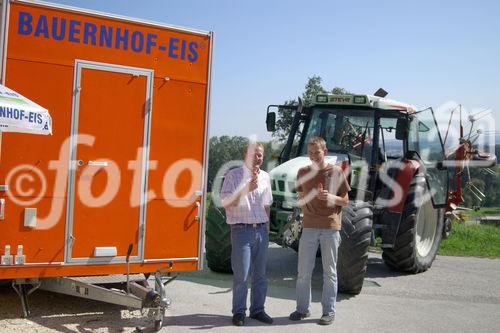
point(363, 137)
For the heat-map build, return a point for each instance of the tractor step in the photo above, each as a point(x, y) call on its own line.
point(388, 228)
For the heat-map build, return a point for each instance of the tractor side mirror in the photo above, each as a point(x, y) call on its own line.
point(402, 128)
point(271, 121)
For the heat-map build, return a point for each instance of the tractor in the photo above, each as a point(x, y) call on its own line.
point(394, 158)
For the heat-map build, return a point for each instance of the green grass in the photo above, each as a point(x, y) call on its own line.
point(481, 212)
point(472, 240)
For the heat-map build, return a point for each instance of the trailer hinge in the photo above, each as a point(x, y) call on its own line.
point(71, 241)
point(142, 228)
point(2, 209)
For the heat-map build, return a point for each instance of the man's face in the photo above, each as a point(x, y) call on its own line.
point(254, 156)
point(316, 154)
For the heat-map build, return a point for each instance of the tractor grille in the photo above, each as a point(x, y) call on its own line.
point(281, 185)
point(276, 203)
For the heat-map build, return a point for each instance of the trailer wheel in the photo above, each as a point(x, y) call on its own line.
point(419, 233)
point(357, 220)
point(217, 240)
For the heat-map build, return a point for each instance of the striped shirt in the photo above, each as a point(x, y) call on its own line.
point(250, 208)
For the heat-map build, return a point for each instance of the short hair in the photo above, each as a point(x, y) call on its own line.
point(317, 140)
point(254, 144)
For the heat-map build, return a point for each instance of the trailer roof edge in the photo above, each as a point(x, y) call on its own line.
point(113, 16)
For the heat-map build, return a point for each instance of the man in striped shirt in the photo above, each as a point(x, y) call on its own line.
point(246, 196)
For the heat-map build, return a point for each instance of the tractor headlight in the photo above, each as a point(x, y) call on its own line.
point(359, 100)
point(322, 98)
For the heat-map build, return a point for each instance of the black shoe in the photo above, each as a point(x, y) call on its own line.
point(239, 319)
point(262, 317)
point(296, 315)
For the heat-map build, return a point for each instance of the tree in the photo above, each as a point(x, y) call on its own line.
point(285, 115)
point(313, 87)
point(230, 148)
point(222, 150)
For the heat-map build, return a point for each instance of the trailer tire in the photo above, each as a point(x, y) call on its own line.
point(357, 221)
point(217, 240)
point(419, 234)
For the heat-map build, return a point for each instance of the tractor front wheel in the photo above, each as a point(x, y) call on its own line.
point(357, 220)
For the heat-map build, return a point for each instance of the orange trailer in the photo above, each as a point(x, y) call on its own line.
point(121, 182)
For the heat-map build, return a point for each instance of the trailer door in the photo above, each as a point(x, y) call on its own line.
point(110, 125)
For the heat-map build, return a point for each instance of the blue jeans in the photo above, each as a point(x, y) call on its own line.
point(329, 241)
point(249, 254)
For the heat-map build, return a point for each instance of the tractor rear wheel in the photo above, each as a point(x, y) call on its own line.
point(419, 233)
point(357, 220)
point(217, 240)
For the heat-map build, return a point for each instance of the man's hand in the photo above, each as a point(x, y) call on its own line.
point(254, 182)
point(322, 194)
point(233, 200)
point(331, 199)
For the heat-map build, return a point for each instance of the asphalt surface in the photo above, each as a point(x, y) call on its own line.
point(456, 295)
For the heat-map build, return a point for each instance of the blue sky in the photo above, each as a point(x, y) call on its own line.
point(424, 53)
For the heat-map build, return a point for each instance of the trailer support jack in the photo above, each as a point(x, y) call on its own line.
point(21, 287)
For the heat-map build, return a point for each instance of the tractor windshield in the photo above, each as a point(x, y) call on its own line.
point(344, 130)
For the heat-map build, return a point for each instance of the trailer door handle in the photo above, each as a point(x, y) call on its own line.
point(98, 163)
point(198, 216)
